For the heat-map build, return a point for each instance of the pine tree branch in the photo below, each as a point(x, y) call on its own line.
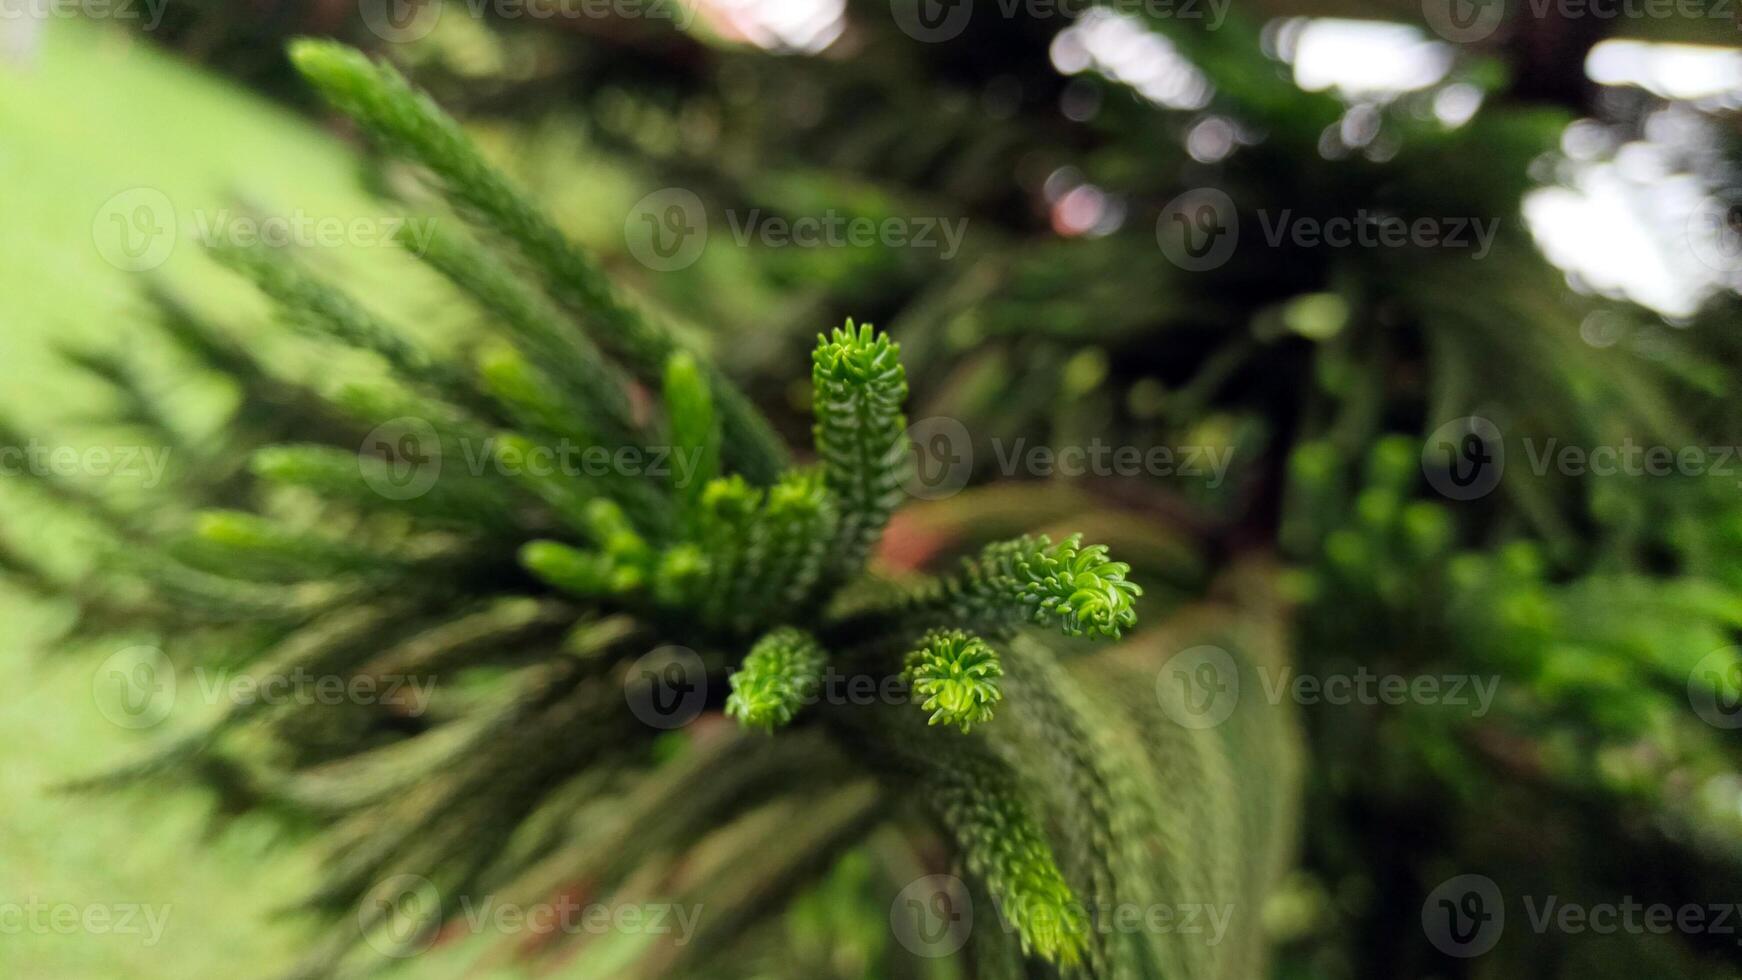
point(407, 123)
point(779, 675)
point(861, 436)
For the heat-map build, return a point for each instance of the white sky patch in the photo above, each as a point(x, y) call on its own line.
point(1631, 224)
point(1127, 51)
point(803, 26)
point(1359, 59)
point(1456, 104)
point(1609, 229)
point(1674, 71)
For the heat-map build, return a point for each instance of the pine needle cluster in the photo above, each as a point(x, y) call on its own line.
point(357, 542)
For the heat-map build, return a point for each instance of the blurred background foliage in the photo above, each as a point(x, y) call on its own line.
point(1595, 317)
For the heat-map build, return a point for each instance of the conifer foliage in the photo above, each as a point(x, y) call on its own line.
point(532, 600)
